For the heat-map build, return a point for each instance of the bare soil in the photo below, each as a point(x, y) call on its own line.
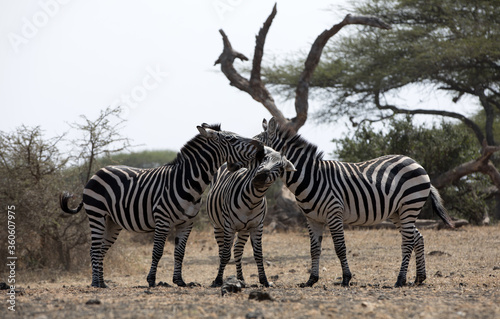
point(463, 281)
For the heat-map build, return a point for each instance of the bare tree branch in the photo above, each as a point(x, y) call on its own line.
point(313, 58)
point(257, 89)
point(396, 110)
point(481, 164)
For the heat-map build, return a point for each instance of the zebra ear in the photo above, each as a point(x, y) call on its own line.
point(207, 132)
point(289, 167)
point(273, 125)
point(264, 125)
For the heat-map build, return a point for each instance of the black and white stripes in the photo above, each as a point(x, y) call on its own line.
point(159, 199)
point(334, 193)
point(236, 205)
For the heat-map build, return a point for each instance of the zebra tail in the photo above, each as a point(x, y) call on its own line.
point(437, 205)
point(63, 201)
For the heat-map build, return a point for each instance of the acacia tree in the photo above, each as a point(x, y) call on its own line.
point(33, 172)
point(256, 87)
point(100, 137)
point(449, 45)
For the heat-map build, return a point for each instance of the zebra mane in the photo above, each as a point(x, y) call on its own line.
point(194, 140)
point(297, 140)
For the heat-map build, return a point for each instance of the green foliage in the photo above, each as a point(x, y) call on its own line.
point(449, 45)
point(437, 148)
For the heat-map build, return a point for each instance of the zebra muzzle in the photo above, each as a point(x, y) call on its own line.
point(260, 180)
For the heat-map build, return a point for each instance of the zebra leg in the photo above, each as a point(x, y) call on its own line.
point(239, 246)
point(336, 226)
point(316, 236)
point(181, 238)
point(97, 229)
point(224, 256)
point(161, 233)
point(420, 257)
point(219, 237)
point(111, 234)
point(408, 241)
point(256, 238)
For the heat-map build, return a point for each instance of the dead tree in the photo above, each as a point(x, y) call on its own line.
point(256, 88)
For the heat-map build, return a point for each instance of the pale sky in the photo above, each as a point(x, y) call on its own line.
point(60, 59)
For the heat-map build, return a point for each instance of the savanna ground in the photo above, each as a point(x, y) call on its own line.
point(463, 281)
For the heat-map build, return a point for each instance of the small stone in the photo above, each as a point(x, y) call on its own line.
point(93, 302)
point(260, 295)
point(368, 305)
point(254, 315)
point(163, 284)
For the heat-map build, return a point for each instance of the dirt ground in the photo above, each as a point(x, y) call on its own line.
point(463, 281)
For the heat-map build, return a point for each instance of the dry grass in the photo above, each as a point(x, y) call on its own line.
point(463, 281)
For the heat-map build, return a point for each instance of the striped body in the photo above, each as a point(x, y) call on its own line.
point(367, 193)
point(236, 204)
point(332, 193)
point(158, 199)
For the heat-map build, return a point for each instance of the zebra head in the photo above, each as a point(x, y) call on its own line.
point(275, 136)
point(236, 150)
point(273, 165)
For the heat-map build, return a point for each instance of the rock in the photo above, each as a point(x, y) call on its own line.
point(93, 302)
point(254, 315)
point(260, 295)
point(231, 285)
point(438, 253)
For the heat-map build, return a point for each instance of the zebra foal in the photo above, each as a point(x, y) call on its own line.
point(332, 193)
point(158, 199)
point(236, 203)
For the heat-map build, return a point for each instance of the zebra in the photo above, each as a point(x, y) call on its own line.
point(158, 199)
point(332, 193)
point(236, 203)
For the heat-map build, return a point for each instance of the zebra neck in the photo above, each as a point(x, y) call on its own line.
point(198, 160)
point(306, 160)
point(251, 196)
point(305, 163)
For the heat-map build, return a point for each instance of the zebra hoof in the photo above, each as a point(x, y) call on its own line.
point(419, 280)
point(400, 283)
point(180, 283)
point(312, 280)
point(346, 280)
point(99, 284)
point(216, 283)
